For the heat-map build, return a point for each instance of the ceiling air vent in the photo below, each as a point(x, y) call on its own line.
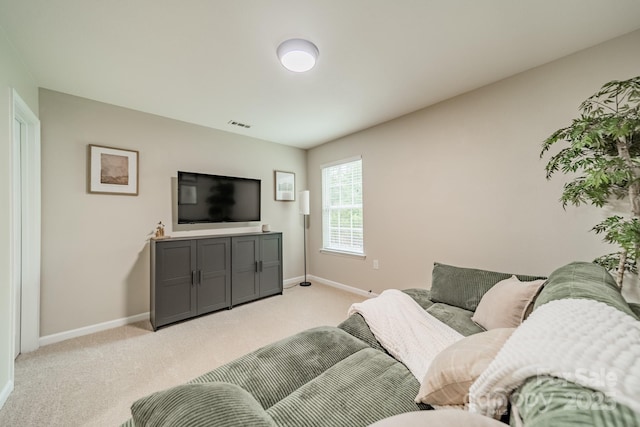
point(242, 125)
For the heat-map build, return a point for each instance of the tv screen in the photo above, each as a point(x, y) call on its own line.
point(214, 198)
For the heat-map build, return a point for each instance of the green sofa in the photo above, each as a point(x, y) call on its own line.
point(341, 376)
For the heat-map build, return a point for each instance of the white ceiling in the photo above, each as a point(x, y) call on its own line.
point(212, 61)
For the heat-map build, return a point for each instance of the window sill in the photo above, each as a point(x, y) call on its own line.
point(343, 253)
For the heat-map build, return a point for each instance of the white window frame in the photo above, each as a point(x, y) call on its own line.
point(327, 247)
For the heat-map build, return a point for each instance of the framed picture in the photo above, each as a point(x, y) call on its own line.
point(113, 170)
point(285, 186)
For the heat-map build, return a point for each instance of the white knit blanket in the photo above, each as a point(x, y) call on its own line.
point(580, 340)
point(406, 330)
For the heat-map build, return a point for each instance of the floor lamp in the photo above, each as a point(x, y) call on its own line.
point(303, 196)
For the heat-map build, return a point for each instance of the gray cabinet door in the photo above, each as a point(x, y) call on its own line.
point(214, 274)
point(175, 268)
point(195, 276)
point(245, 253)
point(270, 264)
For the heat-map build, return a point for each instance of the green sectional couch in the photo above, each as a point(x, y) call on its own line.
point(341, 376)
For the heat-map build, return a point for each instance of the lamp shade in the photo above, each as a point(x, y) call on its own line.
point(303, 197)
point(297, 55)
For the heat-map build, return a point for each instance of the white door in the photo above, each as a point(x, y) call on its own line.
point(19, 133)
point(25, 227)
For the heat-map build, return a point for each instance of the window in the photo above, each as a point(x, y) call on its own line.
point(342, 225)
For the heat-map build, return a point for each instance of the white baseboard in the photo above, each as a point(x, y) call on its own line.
point(6, 391)
point(74, 333)
point(293, 280)
point(344, 287)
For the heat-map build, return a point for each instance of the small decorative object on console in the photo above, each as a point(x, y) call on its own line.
point(160, 230)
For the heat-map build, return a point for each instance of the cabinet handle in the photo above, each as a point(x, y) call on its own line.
point(193, 278)
point(261, 266)
point(200, 277)
point(257, 268)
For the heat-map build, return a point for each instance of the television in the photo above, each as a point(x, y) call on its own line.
point(206, 198)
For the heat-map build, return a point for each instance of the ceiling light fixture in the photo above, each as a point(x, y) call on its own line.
point(297, 55)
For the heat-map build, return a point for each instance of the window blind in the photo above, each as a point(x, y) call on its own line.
point(342, 213)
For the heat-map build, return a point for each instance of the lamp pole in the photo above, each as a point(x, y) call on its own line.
point(304, 210)
point(305, 283)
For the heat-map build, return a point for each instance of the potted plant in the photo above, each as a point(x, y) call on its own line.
point(602, 155)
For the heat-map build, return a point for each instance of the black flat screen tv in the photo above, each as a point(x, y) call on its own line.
point(206, 198)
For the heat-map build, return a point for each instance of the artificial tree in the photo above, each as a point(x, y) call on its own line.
point(603, 159)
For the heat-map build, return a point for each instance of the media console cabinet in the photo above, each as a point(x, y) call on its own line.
point(191, 276)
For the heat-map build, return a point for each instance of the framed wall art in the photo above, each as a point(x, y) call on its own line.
point(285, 186)
point(113, 170)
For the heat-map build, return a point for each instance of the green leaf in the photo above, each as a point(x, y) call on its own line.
point(601, 154)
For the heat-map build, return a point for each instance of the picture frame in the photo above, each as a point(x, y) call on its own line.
point(285, 186)
point(113, 170)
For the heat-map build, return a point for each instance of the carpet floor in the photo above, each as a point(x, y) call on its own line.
point(94, 379)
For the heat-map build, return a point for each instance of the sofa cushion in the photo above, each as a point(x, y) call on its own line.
point(545, 401)
point(200, 405)
point(453, 370)
point(363, 388)
point(273, 372)
point(357, 326)
point(464, 287)
point(583, 280)
point(421, 296)
point(456, 317)
point(506, 303)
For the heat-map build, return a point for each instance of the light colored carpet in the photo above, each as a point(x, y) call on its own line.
point(93, 380)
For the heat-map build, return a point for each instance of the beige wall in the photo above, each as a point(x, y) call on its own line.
point(95, 252)
point(459, 182)
point(462, 183)
point(13, 75)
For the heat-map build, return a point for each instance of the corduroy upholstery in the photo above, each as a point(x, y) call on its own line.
point(456, 317)
point(545, 401)
point(200, 405)
point(342, 377)
point(583, 280)
point(274, 372)
point(365, 387)
point(464, 287)
point(293, 382)
point(356, 325)
point(559, 403)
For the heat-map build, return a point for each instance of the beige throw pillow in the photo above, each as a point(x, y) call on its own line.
point(507, 303)
point(455, 368)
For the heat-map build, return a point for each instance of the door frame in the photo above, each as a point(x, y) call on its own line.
point(28, 189)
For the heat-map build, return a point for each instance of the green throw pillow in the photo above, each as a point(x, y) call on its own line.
point(464, 287)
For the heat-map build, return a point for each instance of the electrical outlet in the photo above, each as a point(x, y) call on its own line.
point(376, 264)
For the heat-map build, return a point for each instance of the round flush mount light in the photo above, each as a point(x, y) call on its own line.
point(297, 55)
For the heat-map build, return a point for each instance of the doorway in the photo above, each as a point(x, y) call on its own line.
point(25, 227)
point(19, 133)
